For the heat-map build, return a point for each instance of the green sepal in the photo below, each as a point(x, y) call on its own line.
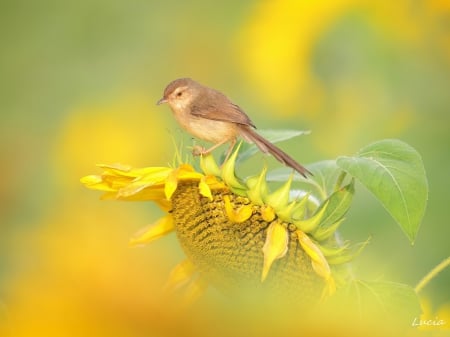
point(299, 211)
point(285, 214)
point(257, 187)
point(323, 233)
point(228, 172)
point(209, 165)
point(280, 198)
point(310, 224)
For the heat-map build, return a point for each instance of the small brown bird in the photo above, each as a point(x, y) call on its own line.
point(209, 115)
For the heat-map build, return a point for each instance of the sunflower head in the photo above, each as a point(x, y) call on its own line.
point(238, 233)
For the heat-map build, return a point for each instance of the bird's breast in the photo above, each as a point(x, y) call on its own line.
point(207, 129)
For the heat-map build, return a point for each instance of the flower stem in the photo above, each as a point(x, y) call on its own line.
point(432, 274)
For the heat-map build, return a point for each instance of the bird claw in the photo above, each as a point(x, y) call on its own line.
point(198, 150)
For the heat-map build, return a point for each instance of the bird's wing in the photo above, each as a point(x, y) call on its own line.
point(222, 110)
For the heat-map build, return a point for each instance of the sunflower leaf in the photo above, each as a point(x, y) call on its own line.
point(394, 301)
point(393, 171)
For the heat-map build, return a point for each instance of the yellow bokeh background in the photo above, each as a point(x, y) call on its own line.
point(79, 82)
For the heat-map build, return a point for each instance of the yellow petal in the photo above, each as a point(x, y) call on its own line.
point(180, 275)
point(214, 183)
point(187, 172)
point(126, 180)
point(204, 188)
point(91, 180)
point(153, 174)
point(318, 260)
point(164, 204)
point(267, 213)
point(329, 289)
point(171, 184)
point(96, 182)
point(153, 193)
point(239, 215)
point(275, 247)
point(116, 167)
point(129, 172)
point(162, 227)
point(182, 173)
point(132, 189)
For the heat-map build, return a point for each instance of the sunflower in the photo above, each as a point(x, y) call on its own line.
point(237, 233)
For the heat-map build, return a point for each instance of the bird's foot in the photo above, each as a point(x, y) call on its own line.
point(199, 150)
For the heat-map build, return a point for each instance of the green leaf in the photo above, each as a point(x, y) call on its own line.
point(393, 171)
point(396, 302)
point(274, 136)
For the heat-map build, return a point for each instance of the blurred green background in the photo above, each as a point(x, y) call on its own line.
point(78, 83)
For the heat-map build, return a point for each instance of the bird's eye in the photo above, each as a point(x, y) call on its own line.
point(179, 93)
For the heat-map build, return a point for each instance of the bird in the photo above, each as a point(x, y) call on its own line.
point(209, 115)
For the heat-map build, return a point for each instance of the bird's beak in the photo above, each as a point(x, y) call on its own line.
point(161, 101)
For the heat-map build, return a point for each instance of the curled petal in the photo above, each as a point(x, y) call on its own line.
point(95, 182)
point(214, 183)
point(164, 204)
point(275, 247)
point(187, 172)
point(117, 167)
point(163, 227)
point(318, 260)
point(153, 193)
point(132, 189)
point(171, 184)
point(182, 173)
point(329, 289)
point(239, 215)
point(267, 213)
point(180, 275)
point(204, 188)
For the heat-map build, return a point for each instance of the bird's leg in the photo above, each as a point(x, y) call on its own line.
point(200, 150)
point(230, 149)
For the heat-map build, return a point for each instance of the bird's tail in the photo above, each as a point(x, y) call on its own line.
point(267, 147)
